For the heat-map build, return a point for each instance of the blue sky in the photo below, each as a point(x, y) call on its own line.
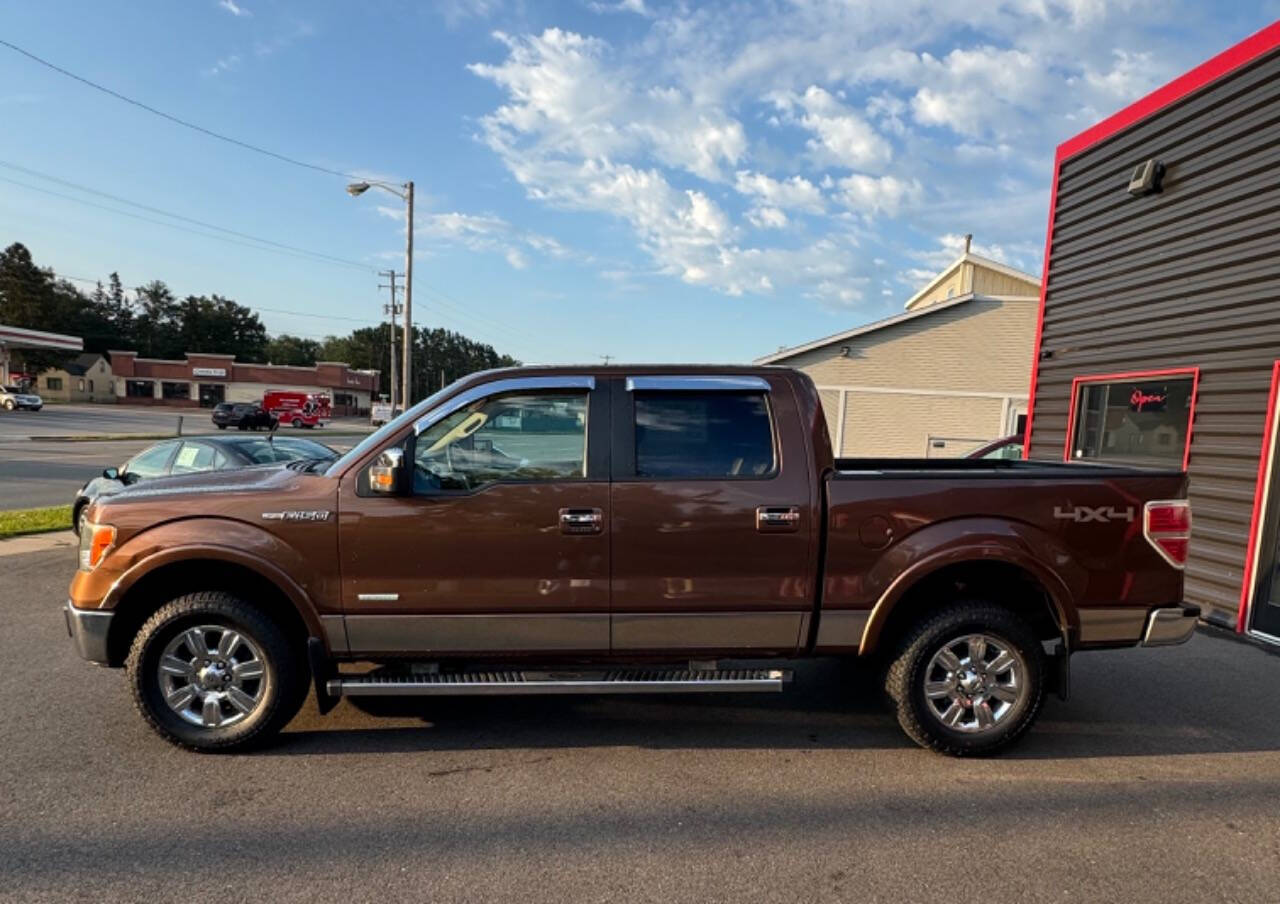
point(646, 180)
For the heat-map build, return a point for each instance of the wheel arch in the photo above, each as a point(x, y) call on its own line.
point(272, 593)
point(1019, 586)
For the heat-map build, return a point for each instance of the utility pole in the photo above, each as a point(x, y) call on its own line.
point(606, 359)
point(393, 308)
point(407, 370)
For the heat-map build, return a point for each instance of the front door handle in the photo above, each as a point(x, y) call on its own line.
point(778, 518)
point(581, 520)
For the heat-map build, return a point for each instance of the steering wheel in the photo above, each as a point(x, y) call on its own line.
point(429, 476)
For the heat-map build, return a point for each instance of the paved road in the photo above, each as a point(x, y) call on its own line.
point(53, 420)
point(38, 473)
point(1158, 782)
point(103, 420)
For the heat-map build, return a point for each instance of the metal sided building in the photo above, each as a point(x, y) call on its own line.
point(1159, 330)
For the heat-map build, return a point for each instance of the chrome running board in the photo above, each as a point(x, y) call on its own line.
point(630, 681)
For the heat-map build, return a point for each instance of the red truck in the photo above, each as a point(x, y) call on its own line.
point(623, 530)
point(298, 409)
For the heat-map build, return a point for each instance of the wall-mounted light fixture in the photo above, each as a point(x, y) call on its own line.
point(1147, 178)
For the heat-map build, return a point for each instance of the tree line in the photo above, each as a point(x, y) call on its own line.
point(157, 324)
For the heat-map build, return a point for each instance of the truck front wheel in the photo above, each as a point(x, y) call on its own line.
point(210, 672)
point(968, 680)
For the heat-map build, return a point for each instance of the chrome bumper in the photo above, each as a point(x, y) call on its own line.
point(88, 628)
point(1170, 626)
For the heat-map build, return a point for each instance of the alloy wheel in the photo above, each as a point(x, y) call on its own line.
point(975, 682)
point(212, 676)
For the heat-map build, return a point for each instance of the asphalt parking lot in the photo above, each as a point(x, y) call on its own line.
point(97, 420)
point(1159, 781)
point(36, 470)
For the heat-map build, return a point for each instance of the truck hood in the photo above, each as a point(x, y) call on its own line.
point(212, 492)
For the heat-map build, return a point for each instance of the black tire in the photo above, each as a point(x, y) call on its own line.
point(284, 681)
point(77, 513)
point(221, 426)
point(297, 423)
point(9, 405)
point(909, 671)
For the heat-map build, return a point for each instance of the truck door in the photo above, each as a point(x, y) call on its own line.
point(502, 543)
point(713, 515)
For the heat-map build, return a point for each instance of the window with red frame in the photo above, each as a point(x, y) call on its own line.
point(1143, 419)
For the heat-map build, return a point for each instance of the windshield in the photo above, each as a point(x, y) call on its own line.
point(383, 433)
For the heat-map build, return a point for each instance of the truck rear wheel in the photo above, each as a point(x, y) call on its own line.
point(210, 672)
point(968, 680)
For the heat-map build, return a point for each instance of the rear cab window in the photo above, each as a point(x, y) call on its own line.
point(708, 435)
point(697, 428)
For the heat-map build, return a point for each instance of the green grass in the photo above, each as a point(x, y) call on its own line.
point(16, 522)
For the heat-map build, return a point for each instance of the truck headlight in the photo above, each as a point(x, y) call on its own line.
point(96, 541)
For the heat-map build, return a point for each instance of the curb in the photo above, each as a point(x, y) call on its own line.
point(28, 543)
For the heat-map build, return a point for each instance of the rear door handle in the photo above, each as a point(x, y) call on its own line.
point(778, 518)
point(581, 520)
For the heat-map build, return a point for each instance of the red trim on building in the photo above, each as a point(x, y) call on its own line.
point(1259, 491)
point(1248, 50)
point(1077, 382)
point(1044, 286)
point(1210, 70)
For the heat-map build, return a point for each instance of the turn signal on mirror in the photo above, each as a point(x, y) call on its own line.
point(95, 541)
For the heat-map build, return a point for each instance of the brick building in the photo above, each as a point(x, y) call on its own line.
point(204, 380)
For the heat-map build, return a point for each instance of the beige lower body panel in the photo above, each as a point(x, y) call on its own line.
point(335, 633)
point(1112, 625)
point(840, 629)
point(708, 630)
point(428, 634)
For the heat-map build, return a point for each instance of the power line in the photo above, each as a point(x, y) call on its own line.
point(175, 119)
point(177, 216)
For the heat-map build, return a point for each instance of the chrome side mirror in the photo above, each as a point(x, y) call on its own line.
point(384, 474)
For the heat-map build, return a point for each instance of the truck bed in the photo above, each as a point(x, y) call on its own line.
point(977, 468)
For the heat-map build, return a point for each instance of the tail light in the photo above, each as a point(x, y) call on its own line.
point(1167, 526)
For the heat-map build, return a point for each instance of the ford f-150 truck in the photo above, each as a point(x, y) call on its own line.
point(623, 530)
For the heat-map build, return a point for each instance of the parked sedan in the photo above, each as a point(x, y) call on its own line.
point(191, 456)
point(245, 415)
point(12, 397)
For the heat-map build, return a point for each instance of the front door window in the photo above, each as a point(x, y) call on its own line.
point(515, 437)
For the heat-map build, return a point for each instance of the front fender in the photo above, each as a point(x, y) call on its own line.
point(308, 588)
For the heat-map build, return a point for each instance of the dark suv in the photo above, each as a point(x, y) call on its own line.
point(246, 416)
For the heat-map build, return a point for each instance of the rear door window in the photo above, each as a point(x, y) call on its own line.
point(704, 435)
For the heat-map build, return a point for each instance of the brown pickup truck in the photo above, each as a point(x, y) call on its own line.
point(622, 530)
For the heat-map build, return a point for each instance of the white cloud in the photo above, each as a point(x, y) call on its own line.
point(563, 97)
point(794, 193)
point(767, 218)
point(235, 9)
point(226, 64)
point(841, 136)
point(480, 232)
point(865, 194)
point(707, 132)
point(620, 6)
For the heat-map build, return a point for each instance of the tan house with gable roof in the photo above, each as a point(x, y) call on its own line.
point(948, 374)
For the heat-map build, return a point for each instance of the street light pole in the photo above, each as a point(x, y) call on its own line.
point(355, 189)
point(406, 369)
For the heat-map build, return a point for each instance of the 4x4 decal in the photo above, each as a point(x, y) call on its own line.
point(1085, 514)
